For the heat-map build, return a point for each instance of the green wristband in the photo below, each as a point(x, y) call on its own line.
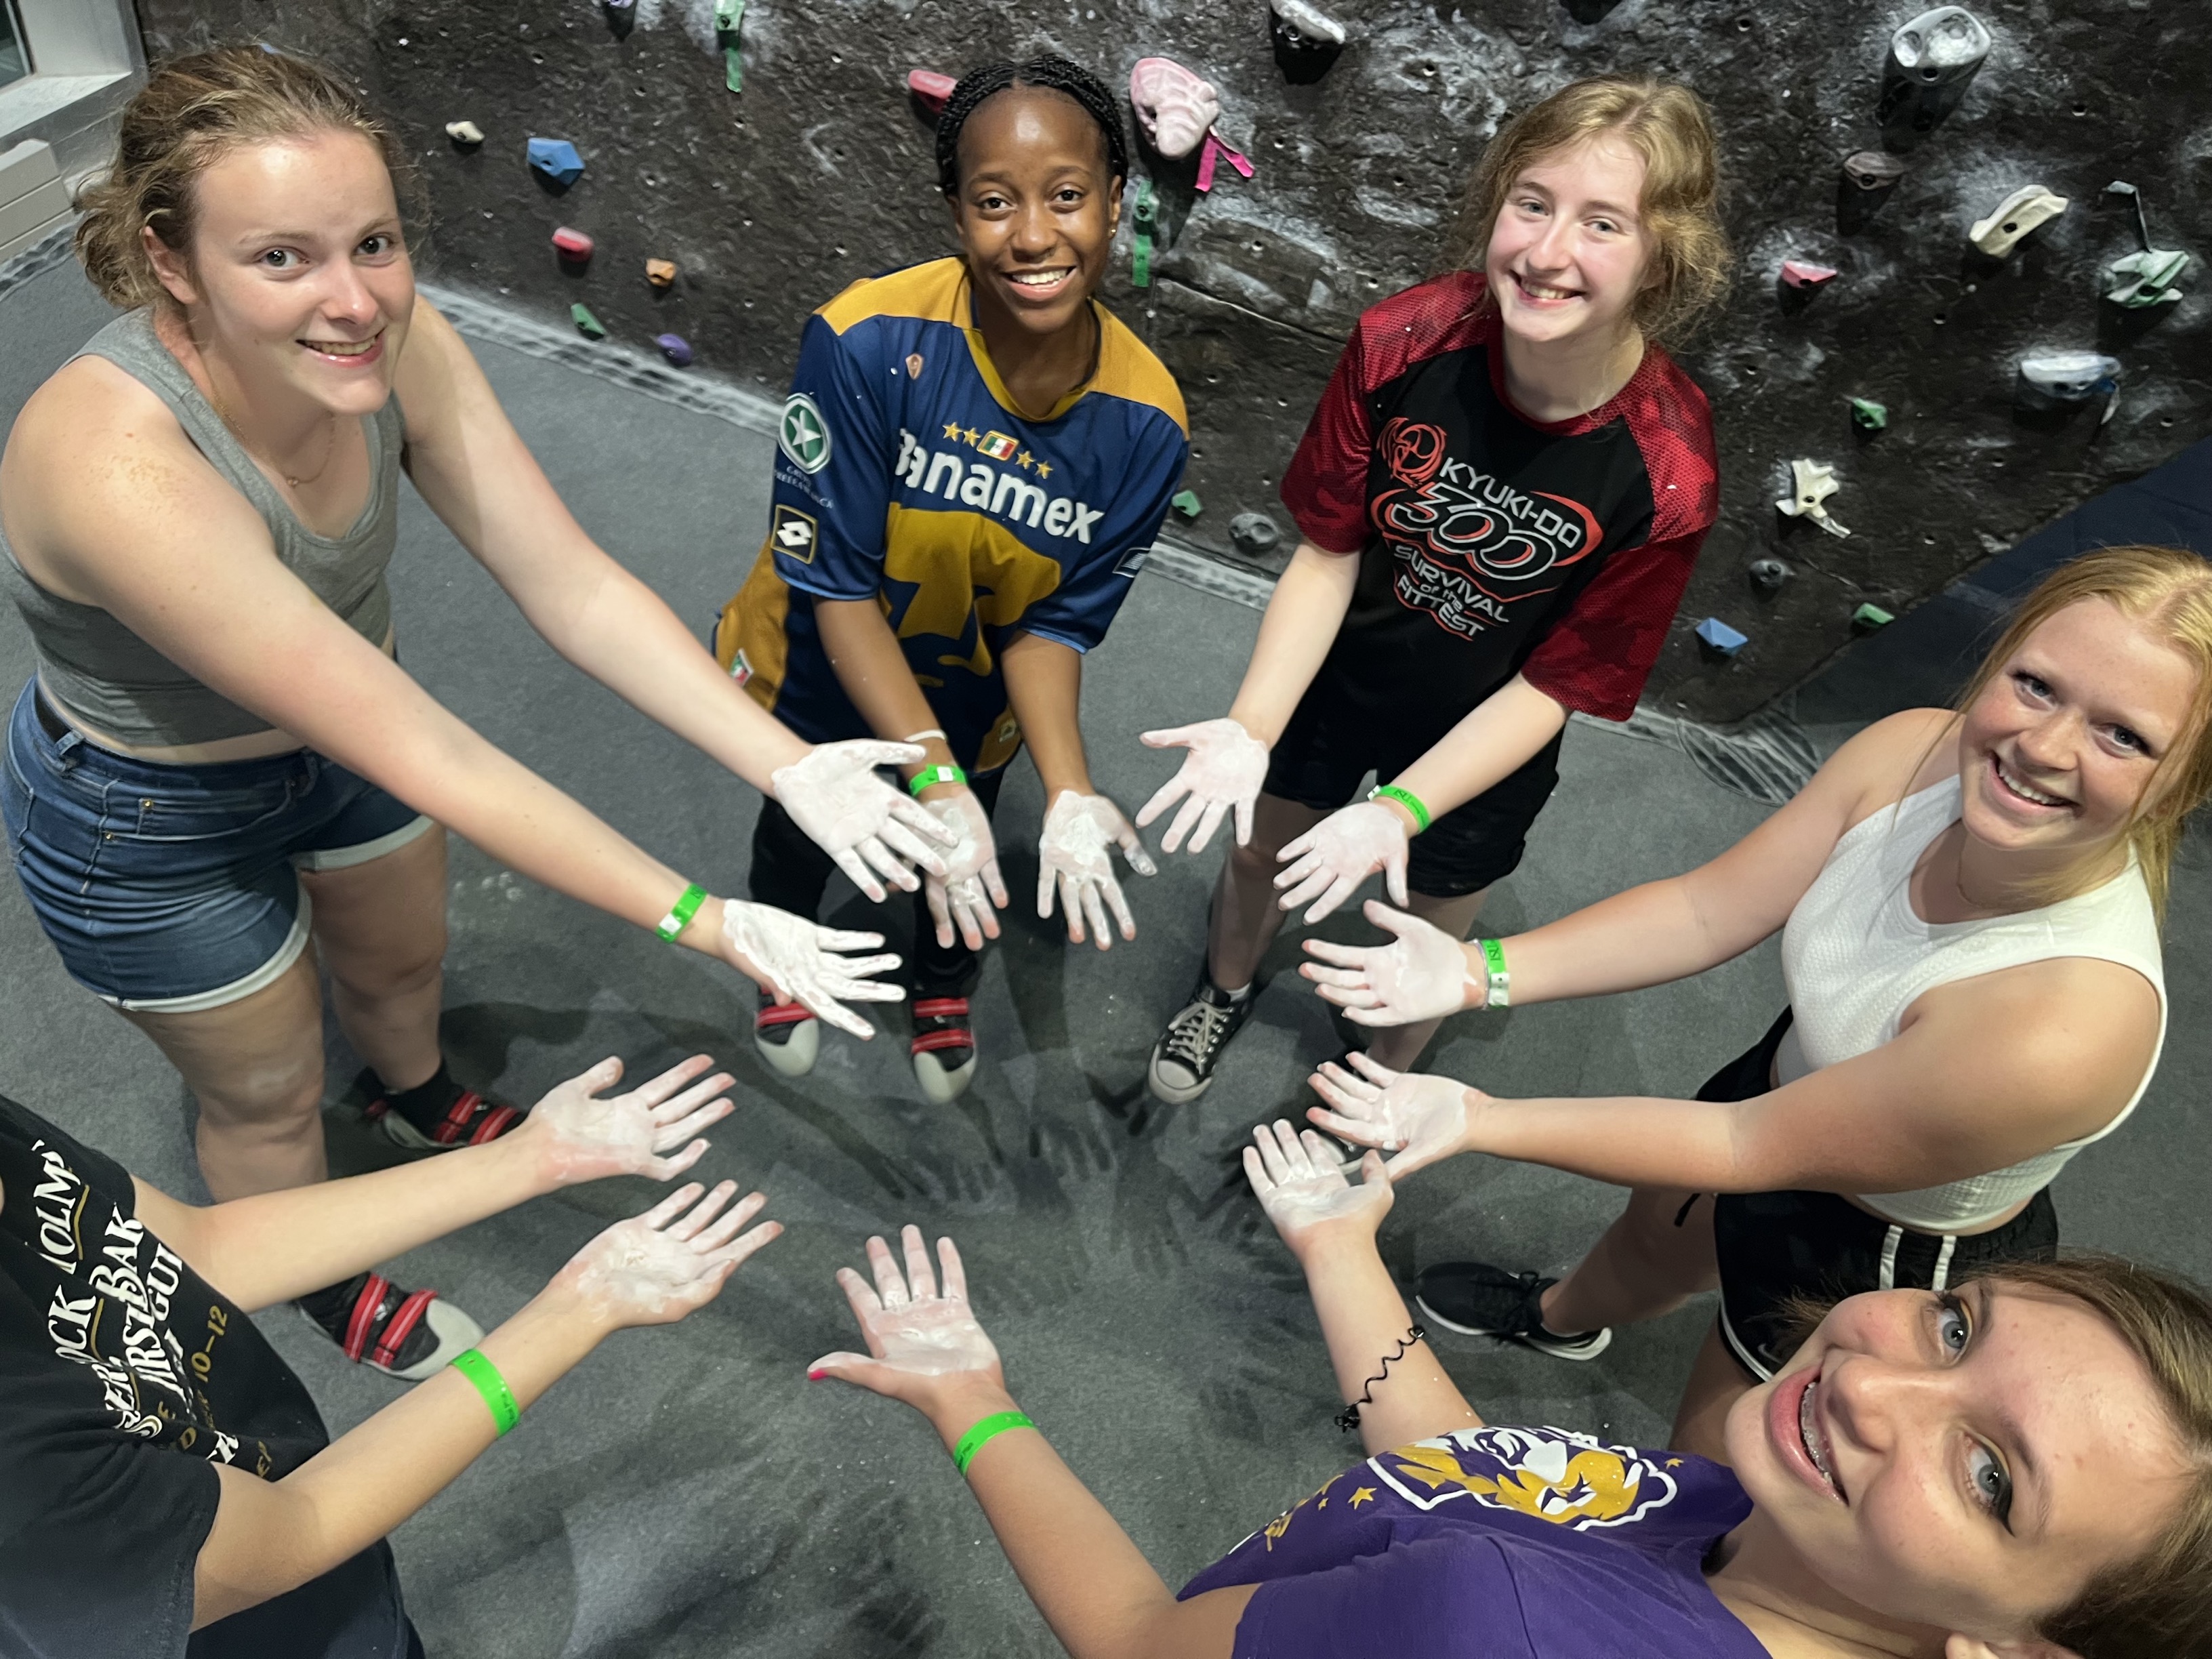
point(1405, 797)
point(680, 913)
point(1501, 982)
point(933, 774)
point(982, 1434)
point(504, 1413)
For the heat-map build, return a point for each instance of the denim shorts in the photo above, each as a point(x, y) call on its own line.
point(176, 888)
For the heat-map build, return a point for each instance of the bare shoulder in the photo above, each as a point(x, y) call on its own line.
point(434, 369)
point(1893, 758)
point(96, 466)
point(2070, 1035)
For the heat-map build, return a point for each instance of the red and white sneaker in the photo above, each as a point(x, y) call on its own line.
point(943, 1050)
point(409, 1335)
point(469, 1119)
point(788, 1035)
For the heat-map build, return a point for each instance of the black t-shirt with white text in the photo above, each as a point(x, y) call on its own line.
point(123, 1374)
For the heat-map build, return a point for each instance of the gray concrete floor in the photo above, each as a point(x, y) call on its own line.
point(687, 1492)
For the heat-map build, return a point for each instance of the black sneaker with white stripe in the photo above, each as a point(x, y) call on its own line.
point(1184, 1058)
point(1476, 1299)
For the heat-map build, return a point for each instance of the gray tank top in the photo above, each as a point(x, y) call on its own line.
point(98, 667)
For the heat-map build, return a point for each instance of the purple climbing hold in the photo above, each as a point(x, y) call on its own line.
point(557, 160)
point(674, 347)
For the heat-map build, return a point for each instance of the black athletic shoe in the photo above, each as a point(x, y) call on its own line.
point(437, 1116)
point(409, 1335)
point(1184, 1058)
point(1477, 1300)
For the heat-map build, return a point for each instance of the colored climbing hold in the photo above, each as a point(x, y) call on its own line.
point(1719, 638)
point(1868, 617)
point(729, 18)
point(1868, 415)
point(1186, 502)
point(2147, 278)
point(674, 347)
point(573, 245)
point(2014, 217)
point(1175, 106)
point(1803, 273)
point(930, 89)
point(1873, 169)
point(1768, 575)
point(557, 160)
point(1144, 224)
point(467, 134)
point(661, 272)
point(1253, 534)
point(586, 325)
point(1216, 150)
point(1811, 485)
point(2068, 376)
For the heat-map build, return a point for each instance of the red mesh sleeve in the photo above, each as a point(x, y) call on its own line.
point(1598, 656)
point(1325, 487)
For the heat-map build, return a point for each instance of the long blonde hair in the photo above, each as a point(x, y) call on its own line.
point(1669, 127)
point(2168, 590)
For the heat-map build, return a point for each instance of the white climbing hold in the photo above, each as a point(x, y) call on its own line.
point(2017, 215)
point(1947, 44)
point(465, 133)
point(1811, 484)
point(1311, 25)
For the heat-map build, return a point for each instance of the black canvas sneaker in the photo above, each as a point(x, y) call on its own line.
point(1184, 1058)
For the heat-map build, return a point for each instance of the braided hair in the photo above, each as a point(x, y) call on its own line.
point(1053, 73)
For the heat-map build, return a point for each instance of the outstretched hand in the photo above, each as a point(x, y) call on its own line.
point(578, 1133)
point(833, 793)
point(923, 1340)
point(791, 958)
point(1421, 974)
point(1224, 771)
point(1327, 863)
point(1304, 1190)
point(655, 1268)
point(1073, 853)
point(1420, 1116)
point(971, 884)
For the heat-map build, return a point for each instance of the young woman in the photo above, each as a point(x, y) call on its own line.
point(2018, 1468)
point(220, 759)
point(1499, 500)
point(168, 1487)
point(1968, 906)
point(976, 457)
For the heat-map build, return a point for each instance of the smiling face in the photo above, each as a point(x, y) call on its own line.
point(1568, 252)
point(1037, 207)
point(2056, 751)
point(1962, 1462)
point(297, 273)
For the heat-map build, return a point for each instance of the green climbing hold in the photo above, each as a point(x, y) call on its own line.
point(1871, 616)
point(1868, 415)
point(729, 17)
point(1145, 217)
point(2146, 279)
point(586, 325)
point(1186, 502)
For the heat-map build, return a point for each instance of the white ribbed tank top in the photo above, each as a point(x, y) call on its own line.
point(1855, 957)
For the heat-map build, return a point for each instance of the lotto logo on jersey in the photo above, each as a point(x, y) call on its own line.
point(1007, 494)
point(794, 534)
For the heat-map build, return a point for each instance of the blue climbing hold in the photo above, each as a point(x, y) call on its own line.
point(1717, 635)
point(556, 159)
point(674, 347)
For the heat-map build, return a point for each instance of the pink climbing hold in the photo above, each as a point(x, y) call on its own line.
point(1175, 106)
point(1802, 273)
point(572, 245)
point(930, 88)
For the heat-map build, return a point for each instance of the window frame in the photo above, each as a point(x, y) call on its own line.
point(86, 59)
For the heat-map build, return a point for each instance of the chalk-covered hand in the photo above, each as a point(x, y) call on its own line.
point(971, 884)
point(1304, 1190)
point(1223, 770)
point(923, 1340)
point(1327, 863)
point(833, 793)
point(580, 1133)
point(1418, 1116)
point(1420, 974)
point(655, 1268)
point(797, 961)
point(1073, 853)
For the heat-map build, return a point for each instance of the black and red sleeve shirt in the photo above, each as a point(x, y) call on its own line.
point(1491, 544)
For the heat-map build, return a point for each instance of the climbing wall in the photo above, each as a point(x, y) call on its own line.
point(818, 170)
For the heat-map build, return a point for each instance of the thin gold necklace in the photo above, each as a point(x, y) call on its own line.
point(329, 441)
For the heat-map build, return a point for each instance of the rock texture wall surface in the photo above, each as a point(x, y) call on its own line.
point(819, 172)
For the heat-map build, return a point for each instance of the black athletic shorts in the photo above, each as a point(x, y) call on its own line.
point(1775, 1247)
point(1321, 759)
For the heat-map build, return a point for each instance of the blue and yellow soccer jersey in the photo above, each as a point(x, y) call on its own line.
point(904, 476)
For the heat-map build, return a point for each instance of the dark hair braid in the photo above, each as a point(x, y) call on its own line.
point(1055, 73)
